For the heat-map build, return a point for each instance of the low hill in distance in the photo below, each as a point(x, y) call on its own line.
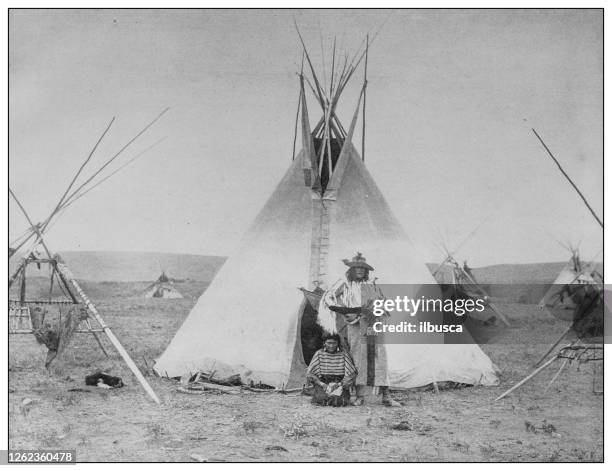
point(147, 266)
point(520, 273)
point(137, 266)
point(544, 273)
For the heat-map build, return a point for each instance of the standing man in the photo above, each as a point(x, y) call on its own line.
point(353, 298)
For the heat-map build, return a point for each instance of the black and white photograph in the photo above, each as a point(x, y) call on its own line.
point(304, 235)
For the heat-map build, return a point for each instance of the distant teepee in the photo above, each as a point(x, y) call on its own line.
point(577, 296)
point(163, 287)
point(558, 299)
point(458, 281)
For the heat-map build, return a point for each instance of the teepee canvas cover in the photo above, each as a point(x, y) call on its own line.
point(325, 208)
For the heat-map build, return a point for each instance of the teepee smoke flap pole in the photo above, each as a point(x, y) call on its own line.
point(297, 114)
point(568, 178)
point(346, 73)
point(322, 56)
point(365, 50)
point(297, 117)
point(314, 75)
point(365, 85)
point(320, 91)
point(329, 156)
point(63, 269)
point(331, 83)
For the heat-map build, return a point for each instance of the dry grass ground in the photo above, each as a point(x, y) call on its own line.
point(455, 425)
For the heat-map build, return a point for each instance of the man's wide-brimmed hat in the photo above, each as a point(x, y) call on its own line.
point(358, 261)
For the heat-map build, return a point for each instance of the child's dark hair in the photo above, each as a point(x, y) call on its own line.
point(335, 337)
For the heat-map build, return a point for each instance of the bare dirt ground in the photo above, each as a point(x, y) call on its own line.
point(561, 423)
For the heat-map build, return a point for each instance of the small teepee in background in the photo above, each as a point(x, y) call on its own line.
point(576, 272)
point(458, 281)
point(163, 287)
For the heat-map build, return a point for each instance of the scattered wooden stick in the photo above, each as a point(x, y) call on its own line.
point(279, 391)
point(183, 390)
point(527, 378)
point(212, 387)
point(565, 362)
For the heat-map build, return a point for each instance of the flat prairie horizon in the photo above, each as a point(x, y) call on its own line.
point(146, 266)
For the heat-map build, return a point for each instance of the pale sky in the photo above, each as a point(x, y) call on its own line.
point(452, 97)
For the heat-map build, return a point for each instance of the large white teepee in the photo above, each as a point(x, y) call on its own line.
point(326, 207)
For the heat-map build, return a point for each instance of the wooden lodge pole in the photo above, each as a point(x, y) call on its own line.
point(565, 332)
point(527, 378)
point(365, 85)
point(297, 117)
point(568, 179)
